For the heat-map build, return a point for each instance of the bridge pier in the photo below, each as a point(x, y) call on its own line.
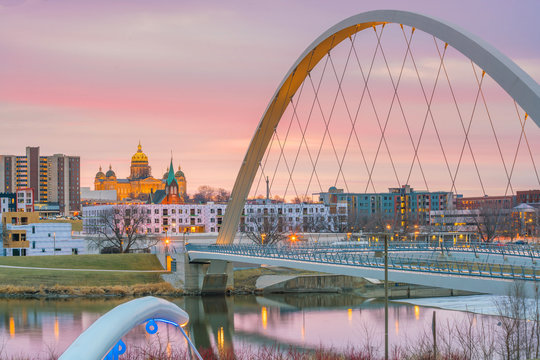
point(217, 277)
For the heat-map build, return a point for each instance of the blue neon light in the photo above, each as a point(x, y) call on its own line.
point(116, 351)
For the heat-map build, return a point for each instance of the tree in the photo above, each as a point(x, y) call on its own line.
point(265, 229)
point(121, 229)
point(207, 193)
point(488, 221)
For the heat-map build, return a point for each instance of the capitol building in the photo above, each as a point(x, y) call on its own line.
point(140, 184)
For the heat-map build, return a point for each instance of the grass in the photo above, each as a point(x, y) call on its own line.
point(24, 277)
point(49, 278)
point(108, 261)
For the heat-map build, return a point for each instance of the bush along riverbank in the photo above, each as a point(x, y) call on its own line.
point(59, 291)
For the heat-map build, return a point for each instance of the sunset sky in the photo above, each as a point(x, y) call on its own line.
point(92, 78)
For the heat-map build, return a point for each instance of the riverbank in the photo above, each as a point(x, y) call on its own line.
point(133, 275)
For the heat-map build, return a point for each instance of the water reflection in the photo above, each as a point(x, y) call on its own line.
point(301, 321)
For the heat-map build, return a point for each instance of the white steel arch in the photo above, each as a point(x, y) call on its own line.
point(96, 341)
point(516, 82)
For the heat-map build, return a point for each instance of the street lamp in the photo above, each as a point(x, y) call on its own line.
point(386, 293)
point(54, 243)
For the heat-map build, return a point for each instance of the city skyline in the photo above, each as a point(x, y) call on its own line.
point(189, 78)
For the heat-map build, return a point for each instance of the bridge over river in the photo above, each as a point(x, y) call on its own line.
point(485, 269)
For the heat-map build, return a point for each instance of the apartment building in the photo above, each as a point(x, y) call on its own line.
point(54, 179)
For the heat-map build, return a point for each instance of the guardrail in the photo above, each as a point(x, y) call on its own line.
point(335, 255)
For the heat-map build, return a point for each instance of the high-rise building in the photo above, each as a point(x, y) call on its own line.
point(54, 179)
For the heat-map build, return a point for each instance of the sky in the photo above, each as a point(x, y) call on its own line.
point(191, 78)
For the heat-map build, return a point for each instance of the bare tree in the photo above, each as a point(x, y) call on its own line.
point(317, 224)
point(207, 193)
point(488, 221)
point(265, 229)
point(222, 195)
point(121, 229)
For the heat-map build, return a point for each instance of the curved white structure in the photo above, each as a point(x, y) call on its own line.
point(518, 84)
point(106, 332)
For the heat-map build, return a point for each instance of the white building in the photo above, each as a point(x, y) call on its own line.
point(41, 239)
point(179, 218)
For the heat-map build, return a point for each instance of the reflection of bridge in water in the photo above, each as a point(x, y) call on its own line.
point(212, 325)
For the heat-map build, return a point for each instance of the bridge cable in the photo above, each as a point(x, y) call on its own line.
point(467, 139)
point(516, 153)
point(429, 112)
point(383, 129)
point(353, 122)
point(326, 121)
point(527, 140)
point(282, 146)
point(366, 89)
point(340, 91)
point(304, 129)
point(494, 132)
point(272, 106)
point(465, 131)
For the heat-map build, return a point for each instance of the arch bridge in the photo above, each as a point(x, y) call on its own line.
point(318, 65)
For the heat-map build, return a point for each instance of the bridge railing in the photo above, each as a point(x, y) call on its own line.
point(334, 255)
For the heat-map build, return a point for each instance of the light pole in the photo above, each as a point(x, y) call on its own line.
point(386, 293)
point(54, 243)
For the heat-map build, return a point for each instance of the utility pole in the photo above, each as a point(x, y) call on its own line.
point(267, 190)
point(434, 331)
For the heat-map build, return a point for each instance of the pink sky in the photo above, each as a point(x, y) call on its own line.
point(92, 78)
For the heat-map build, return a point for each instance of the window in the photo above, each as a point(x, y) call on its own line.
point(165, 212)
point(212, 220)
point(179, 221)
point(156, 211)
point(156, 221)
point(198, 211)
point(148, 211)
point(199, 220)
point(173, 211)
point(148, 221)
point(156, 230)
point(212, 211)
point(33, 244)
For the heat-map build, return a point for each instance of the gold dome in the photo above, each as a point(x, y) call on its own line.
point(139, 157)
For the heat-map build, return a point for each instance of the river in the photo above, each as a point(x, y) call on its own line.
point(35, 328)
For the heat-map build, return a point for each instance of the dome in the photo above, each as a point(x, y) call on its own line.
point(139, 157)
point(179, 173)
point(166, 174)
point(110, 173)
point(100, 174)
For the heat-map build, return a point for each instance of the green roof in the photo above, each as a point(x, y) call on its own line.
point(170, 177)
